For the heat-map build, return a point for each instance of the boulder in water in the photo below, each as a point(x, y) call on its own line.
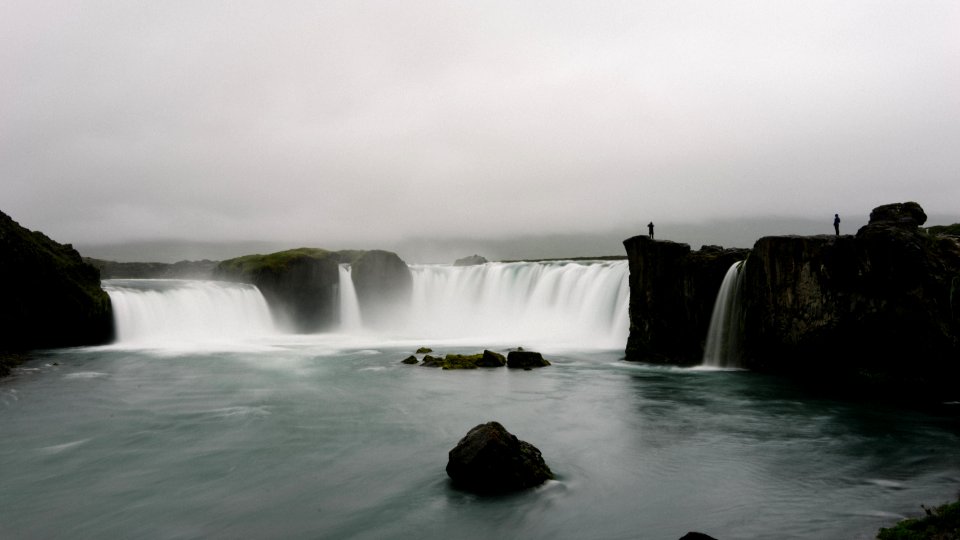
point(491, 359)
point(491, 460)
point(410, 360)
point(424, 350)
point(696, 536)
point(526, 360)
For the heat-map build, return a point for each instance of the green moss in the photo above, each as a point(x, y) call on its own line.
point(941, 523)
point(424, 350)
point(953, 230)
point(465, 361)
point(273, 262)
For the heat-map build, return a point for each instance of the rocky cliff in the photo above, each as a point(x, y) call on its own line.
point(672, 292)
point(879, 309)
point(300, 285)
point(48, 296)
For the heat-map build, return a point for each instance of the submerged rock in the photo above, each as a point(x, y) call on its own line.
point(526, 360)
point(491, 460)
point(410, 360)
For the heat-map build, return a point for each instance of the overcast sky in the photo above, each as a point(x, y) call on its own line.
point(329, 122)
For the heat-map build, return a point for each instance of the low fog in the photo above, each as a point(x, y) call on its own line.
point(540, 129)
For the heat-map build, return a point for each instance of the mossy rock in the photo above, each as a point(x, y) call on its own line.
point(410, 360)
point(300, 285)
point(941, 523)
point(424, 350)
point(51, 297)
point(526, 360)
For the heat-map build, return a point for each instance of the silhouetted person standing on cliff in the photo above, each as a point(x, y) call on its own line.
point(650, 228)
point(836, 224)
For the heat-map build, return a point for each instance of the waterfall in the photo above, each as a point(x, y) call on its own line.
point(723, 337)
point(163, 311)
point(580, 304)
point(349, 306)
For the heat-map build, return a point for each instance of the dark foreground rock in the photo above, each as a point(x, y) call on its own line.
point(410, 360)
point(525, 360)
point(491, 460)
point(48, 296)
point(696, 536)
point(472, 260)
point(940, 523)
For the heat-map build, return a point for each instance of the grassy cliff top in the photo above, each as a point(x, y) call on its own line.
point(953, 230)
point(274, 261)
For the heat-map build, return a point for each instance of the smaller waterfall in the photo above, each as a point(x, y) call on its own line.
point(350, 320)
point(723, 337)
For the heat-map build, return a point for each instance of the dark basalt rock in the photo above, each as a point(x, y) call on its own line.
point(491, 460)
point(696, 536)
point(672, 292)
point(431, 361)
point(384, 284)
point(877, 312)
point(410, 360)
point(472, 260)
point(424, 350)
point(491, 359)
point(300, 285)
point(49, 297)
point(525, 360)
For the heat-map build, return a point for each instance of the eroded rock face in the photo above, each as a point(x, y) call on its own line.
point(491, 460)
point(672, 292)
point(300, 285)
point(48, 296)
point(471, 260)
point(877, 310)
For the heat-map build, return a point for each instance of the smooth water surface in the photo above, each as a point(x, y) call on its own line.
point(324, 437)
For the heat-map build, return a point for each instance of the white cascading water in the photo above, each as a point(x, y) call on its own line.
point(350, 320)
point(579, 304)
point(165, 311)
point(723, 337)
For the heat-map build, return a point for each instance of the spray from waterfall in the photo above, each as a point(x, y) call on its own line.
point(350, 320)
point(723, 337)
point(164, 311)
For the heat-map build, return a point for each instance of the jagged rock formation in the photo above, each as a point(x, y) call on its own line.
point(491, 460)
point(300, 285)
point(877, 310)
point(672, 292)
point(153, 270)
point(48, 296)
point(384, 284)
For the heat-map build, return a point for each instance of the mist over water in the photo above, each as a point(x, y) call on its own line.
point(204, 421)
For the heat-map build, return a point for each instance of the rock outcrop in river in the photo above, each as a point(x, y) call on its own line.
point(491, 460)
point(300, 285)
point(48, 296)
point(672, 292)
